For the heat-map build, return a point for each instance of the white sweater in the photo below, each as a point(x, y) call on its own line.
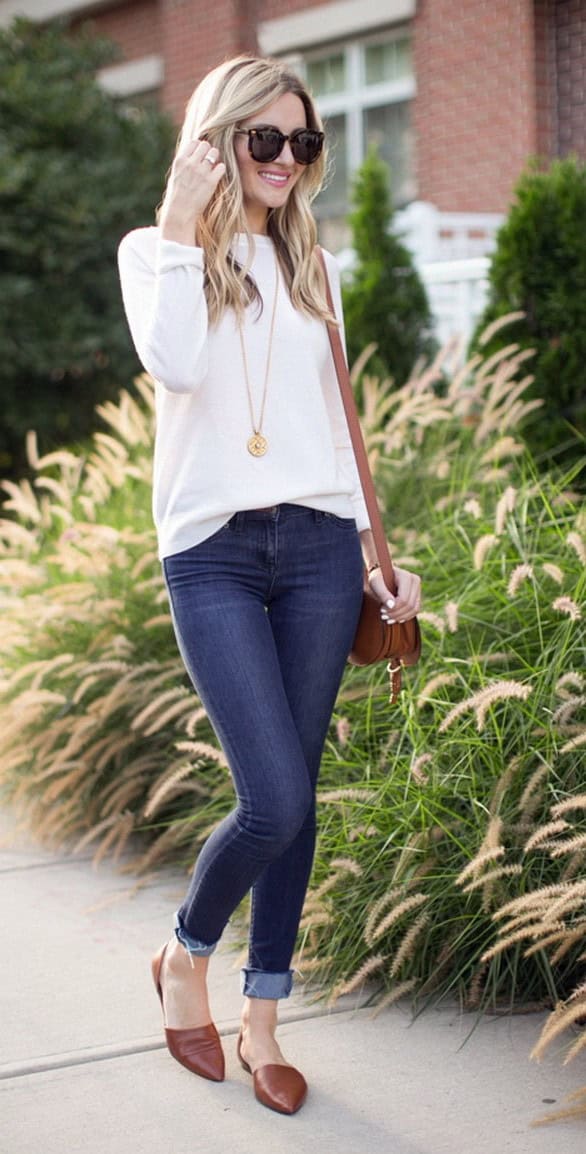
point(203, 471)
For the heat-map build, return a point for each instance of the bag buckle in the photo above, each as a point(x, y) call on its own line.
point(394, 668)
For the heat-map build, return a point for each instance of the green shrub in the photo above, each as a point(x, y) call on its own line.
point(77, 170)
point(539, 268)
point(384, 301)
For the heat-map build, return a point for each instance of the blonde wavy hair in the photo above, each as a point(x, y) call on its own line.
point(231, 93)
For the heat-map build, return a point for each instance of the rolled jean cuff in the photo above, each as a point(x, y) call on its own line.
point(191, 944)
point(260, 984)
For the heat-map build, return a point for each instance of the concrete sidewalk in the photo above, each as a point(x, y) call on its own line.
point(83, 1063)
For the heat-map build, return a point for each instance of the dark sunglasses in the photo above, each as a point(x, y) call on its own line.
point(266, 143)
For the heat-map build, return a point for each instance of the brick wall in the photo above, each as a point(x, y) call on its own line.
point(474, 116)
point(134, 26)
point(545, 78)
point(196, 36)
point(570, 32)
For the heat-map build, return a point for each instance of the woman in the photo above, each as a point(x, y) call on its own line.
point(262, 528)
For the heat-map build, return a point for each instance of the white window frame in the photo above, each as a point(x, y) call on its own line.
point(358, 95)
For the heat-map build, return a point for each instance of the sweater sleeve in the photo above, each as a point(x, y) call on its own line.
point(337, 415)
point(165, 306)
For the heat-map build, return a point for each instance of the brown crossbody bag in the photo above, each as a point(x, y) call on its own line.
point(375, 640)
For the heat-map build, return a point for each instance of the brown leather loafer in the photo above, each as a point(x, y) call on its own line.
point(199, 1049)
point(281, 1088)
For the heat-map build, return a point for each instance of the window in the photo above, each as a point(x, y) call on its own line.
point(364, 92)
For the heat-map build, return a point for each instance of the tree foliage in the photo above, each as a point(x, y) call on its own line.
point(385, 301)
point(77, 170)
point(539, 268)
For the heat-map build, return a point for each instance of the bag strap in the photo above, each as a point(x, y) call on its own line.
point(380, 540)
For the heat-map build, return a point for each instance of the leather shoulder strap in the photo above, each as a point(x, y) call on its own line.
point(380, 540)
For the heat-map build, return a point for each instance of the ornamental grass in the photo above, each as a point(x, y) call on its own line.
point(453, 825)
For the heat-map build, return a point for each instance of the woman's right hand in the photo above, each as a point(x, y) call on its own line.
point(195, 175)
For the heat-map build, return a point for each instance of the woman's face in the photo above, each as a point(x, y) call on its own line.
point(268, 185)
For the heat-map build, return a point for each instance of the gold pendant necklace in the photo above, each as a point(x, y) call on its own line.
point(257, 445)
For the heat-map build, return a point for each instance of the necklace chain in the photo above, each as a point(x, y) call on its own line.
point(257, 444)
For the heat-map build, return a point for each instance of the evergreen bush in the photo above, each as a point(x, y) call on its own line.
point(384, 300)
point(77, 170)
point(539, 269)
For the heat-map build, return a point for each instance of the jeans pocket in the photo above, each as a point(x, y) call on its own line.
point(341, 522)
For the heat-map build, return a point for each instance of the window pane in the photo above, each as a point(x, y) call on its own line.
point(389, 61)
point(334, 198)
point(389, 129)
point(327, 75)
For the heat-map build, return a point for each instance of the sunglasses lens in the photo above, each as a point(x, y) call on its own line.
point(306, 145)
point(266, 144)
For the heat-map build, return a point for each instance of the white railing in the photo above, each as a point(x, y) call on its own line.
point(452, 254)
point(457, 292)
point(451, 251)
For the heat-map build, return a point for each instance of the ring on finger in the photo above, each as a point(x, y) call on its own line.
point(210, 159)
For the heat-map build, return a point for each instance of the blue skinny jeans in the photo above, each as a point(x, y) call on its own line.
point(265, 612)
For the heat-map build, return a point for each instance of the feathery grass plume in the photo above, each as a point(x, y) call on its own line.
point(496, 657)
point(568, 606)
point(481, 702)
point(544, 833)
point(451, 610)
point(434, 683)
point(571, 937)
point(406, 946)
point(492, 875)
point(489, 332)
point(503, 447)
point(578, 1111)
point(382, 903)
point(509, 940)
point(173, 713)
point(563, 1016)
point(503, 783)
point(534, 900)
point(533, 794)
point(394, 915)
point(576, 543)
point(505, 505)
point(203, 749)
point(162, 790)
point(553, 571)
point(417, 772)
point(476, 988)
point(343, 730)
point(472, 506)
point(574, 743)
point(162, 619)
point(473, 868)
point(347, 865)
point(178, 692)
point(369, 967)
point(500, 691)
point(313, 918)
point(520, 574)
point(565, 712)
point(433, 619)
point(568, 804)
point(482, 548)
point(395, 995)
point(569, 680)
point(576, 1049)
point(349, 794)
point(327, 885)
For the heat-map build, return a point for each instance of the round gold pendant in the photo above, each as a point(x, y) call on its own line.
point(257, 445)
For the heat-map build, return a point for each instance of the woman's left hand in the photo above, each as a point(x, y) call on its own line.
point(403, 604)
